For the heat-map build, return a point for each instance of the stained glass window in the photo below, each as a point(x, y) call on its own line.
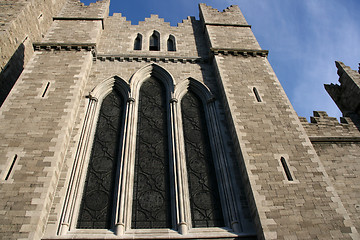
point(204, 194)
point(151, 196)
point(97, 202)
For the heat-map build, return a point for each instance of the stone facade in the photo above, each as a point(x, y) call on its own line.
point(280, 176)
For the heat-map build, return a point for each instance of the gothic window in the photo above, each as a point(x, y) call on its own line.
point(163, 175)
point(97, 201)
point(171, 43)
point(151, 197)
point(154, 41)
point(203, 188)
point(138, 42)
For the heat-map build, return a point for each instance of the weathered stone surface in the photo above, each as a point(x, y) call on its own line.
point(79, 47)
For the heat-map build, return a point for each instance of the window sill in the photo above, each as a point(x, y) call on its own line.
point(198, 233)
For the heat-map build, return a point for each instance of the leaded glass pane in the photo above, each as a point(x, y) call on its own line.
point(204, 194)
point(97, 201)
point(151, 196)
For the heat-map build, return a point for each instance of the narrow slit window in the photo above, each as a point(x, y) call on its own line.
point(155, 42)
point(138, 42)
point(11, 167)
point(45, 90)
point(286, 169)
point(257, 94)
point(171, 43)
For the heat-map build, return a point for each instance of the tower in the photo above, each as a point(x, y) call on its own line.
point(121, 131)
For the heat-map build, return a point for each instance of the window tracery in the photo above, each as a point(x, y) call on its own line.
point(204, 194)
point(177, 135)
point(97, 200)
point(151, 199)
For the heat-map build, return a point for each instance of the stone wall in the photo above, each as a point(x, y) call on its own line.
point(42, 119)
point(22, 23)
point(304, 207)
point(37, 130)
point(338, 147)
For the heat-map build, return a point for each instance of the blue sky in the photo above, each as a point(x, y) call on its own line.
point(304, 39)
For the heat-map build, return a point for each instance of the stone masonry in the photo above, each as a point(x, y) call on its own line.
point(290, 178)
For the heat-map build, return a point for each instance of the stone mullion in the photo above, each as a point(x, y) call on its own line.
point(72, 193)
point(227, 194)
point(125, 169)
point(182, 205)
point(129, 158)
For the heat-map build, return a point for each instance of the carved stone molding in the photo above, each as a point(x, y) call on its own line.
point(236, 52)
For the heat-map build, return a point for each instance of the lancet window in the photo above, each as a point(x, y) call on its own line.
point(138, 42)
point(151, 193)
point(171, 43)
point(154, 43)
point(153, 161)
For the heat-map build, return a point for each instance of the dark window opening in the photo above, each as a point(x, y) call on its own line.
point(286, 169)
point(171, 43)
point(257, 94)
point(11, 167)
point(46, 88)
point(138, 42)
point(154, 42)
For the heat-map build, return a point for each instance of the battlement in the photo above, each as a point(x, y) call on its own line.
point(230, 16)
point(154, 19)
point(322, 127)
point(347, 94)
point(77, 9)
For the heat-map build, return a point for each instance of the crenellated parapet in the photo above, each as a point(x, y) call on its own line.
point(86, 24)
point(77, 10)
point(227, 31)
point(323, 128)
point(347, 94)
point(230, 16)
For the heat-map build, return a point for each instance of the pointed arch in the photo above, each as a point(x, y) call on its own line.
point(154, 41)
point(107, 85)
point(230, 212)
point(196, 86)
point(151, 206)
point(199, 158)
point(114, 92)
point(151, 70)
point(138, 42)
point(171, 44)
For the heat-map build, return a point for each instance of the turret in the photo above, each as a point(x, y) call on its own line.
point(347, 94)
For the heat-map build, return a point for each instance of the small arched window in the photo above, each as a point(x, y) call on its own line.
point(171, 43)
point(138, 42)
point(154, 42)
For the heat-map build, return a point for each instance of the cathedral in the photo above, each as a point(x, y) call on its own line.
point(110, 130)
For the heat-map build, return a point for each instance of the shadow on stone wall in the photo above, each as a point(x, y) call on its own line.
point(10, 74)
